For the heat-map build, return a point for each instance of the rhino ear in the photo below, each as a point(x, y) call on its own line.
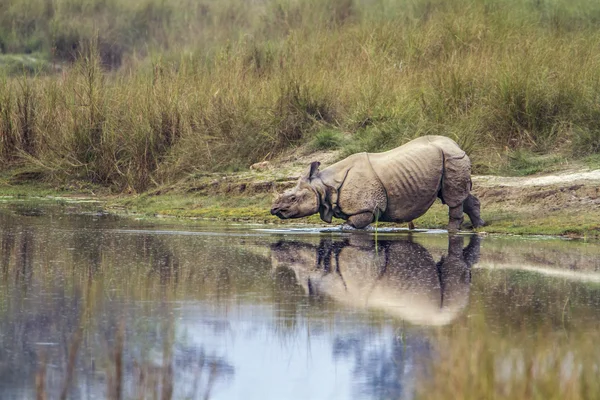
point(312, 170)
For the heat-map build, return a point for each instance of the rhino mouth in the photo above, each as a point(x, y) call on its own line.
point(281, 213)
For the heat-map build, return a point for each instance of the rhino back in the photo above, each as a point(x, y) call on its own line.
point(411, 175)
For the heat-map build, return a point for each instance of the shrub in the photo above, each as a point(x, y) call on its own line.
point(327, 140)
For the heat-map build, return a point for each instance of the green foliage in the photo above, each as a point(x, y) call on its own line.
point(381, 137)
point(28, 64)
point(523, 162)
point(327, 139)
point(27, 101)
point(299, 109)
point(592, 161)
point(587, 142)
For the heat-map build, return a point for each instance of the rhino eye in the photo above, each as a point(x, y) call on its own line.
point(292, 198)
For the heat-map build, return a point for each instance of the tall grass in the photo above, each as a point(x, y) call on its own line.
point(220, 85)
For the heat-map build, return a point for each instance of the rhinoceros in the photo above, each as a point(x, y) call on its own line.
point(394, 186)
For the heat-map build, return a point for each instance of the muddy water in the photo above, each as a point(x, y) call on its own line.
point(92, 305)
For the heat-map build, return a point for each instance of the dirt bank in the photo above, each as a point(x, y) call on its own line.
point(571, 191)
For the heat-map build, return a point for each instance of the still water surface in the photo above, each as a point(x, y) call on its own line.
point(246, 312)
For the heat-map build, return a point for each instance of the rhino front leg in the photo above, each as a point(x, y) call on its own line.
point(360, 221)
point(456, 218)
point(471, 207)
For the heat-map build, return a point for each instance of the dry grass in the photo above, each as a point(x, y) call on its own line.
point(263, 77)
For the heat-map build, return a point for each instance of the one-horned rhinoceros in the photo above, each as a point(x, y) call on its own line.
point(395, 186)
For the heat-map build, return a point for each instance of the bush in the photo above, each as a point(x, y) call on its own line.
point(586, 142)
point(327, 140)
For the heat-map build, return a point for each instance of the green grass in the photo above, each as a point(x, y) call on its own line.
point(522, 162)
point(19, 64)
point(519, 221)
point(327, 140)
point(592, 161)
point(522, 221)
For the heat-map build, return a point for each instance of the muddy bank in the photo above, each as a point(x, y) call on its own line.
point(570, 191)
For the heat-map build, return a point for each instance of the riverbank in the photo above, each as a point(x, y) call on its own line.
point(565, 203)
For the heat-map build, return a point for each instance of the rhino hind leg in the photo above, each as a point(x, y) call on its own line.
point(456, 218)
point(471, 206)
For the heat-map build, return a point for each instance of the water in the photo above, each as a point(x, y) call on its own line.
point(244, 311)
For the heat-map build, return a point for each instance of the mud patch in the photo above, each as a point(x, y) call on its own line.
point(573, 192)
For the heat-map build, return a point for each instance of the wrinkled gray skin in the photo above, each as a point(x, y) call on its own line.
point(399, 277)
point(395, 186)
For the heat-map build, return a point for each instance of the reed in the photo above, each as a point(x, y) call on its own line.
point(149, 91)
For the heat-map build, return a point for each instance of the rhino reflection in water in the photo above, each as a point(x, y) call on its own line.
point(399, 277)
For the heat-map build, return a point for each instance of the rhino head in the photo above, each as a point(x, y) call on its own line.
point(302, 200)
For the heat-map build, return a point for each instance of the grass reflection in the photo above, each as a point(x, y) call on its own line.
point(476, 362)
point(525, 337)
